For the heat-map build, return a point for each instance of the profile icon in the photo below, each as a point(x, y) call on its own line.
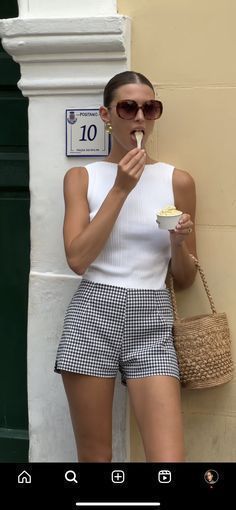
point(211, 476)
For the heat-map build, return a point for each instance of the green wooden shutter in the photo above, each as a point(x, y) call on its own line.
point(14, 256)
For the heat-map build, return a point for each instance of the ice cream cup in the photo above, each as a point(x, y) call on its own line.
point(168, 218)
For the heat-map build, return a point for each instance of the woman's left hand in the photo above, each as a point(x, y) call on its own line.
point(183, 229)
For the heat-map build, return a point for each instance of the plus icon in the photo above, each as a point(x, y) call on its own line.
point(118, 476)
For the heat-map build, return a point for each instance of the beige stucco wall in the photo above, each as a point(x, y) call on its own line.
point(188, 49)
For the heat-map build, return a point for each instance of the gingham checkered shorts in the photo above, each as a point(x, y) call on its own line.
point(108, 328)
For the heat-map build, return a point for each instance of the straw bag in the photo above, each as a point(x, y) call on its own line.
point(202, 344)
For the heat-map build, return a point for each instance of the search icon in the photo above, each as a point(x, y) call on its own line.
point(70, 476)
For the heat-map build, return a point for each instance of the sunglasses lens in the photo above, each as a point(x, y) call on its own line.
point(152, 110)
point(127, 109)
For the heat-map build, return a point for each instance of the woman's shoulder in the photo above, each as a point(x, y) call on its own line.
point(75, 179)
point(74, 172)
point(183, 180)
point(85, 170)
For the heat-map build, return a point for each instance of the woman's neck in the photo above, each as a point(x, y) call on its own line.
point(115, 156)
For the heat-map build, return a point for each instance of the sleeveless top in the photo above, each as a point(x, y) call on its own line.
point(137, 252)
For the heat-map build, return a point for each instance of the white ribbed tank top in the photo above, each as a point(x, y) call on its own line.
point(137, 252)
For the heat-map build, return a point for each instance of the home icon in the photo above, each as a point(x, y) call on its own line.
point(24, 477)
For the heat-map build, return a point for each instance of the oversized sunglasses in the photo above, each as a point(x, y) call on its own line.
point(128, 109)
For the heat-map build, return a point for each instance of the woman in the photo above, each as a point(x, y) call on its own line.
point(121, 315)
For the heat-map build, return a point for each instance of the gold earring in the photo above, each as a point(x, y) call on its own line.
point(108, 128)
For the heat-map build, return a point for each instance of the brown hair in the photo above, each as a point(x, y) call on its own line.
point(120, 79)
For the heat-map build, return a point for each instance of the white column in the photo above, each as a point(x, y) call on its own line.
point(65, 9)
point(65, 63)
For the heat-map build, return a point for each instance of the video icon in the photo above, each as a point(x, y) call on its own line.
point(164, 476)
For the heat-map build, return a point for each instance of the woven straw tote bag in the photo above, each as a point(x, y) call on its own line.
point(202, 344)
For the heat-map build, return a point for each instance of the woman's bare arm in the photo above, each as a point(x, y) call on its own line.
point(183, 243)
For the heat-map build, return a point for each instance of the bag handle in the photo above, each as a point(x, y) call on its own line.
point(203, 278)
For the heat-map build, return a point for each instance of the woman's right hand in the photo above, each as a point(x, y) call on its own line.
point(130, 169)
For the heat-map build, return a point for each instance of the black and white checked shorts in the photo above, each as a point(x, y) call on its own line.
point(109, 328)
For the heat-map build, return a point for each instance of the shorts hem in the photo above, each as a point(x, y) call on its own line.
point(124, 379)
point(58, 370)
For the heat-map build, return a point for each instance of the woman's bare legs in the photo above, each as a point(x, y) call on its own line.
point(90, 401)
point(157, 407)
